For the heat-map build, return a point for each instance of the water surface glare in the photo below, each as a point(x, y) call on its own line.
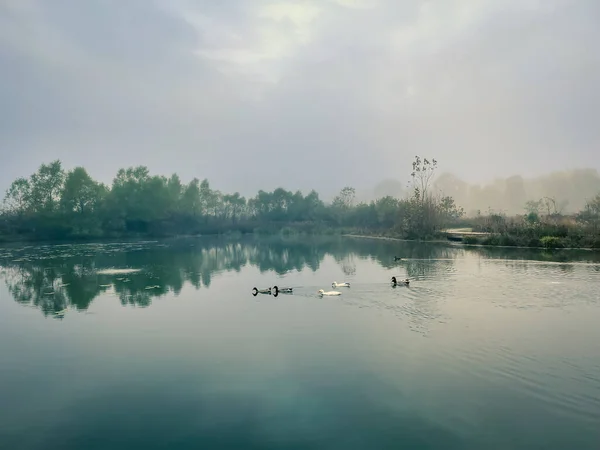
point(160, 344)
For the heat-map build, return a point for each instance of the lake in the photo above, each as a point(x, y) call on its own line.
point(160, 344)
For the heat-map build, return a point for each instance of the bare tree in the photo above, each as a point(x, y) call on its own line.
point(423, 171)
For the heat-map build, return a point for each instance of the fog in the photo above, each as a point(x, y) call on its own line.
point(305, 95)
point(564, 192)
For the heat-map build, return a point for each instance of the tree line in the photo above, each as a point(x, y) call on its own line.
point(57, 204)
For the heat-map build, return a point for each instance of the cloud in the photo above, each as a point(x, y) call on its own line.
point(305, 94)
point(254, 45)
point(357, 4)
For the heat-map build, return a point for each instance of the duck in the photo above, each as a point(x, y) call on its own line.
point(283, 290)
point(256, 291)
point(336, 284)
point(395, 282)
point(321, 292)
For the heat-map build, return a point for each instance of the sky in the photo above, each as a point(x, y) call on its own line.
point(313, 94)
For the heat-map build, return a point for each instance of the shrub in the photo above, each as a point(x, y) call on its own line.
point(508, 241)
point(532, 217)
point(470, 240)
point(551, 242)
point(590, 241)
point(491, 240)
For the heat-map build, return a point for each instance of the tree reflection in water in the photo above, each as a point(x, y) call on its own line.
point(53, 278)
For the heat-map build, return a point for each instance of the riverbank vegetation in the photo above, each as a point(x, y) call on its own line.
point(540, 226)
point(54, 204)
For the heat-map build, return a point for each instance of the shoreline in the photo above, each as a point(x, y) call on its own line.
point(387, 238)
point(113, 239)
point(461, 244)
point(234, 235)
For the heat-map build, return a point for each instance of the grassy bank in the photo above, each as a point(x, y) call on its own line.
point(573, 241)
point(551, 231)
point(546, 242)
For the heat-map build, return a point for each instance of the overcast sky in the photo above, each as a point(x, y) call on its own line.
point(306, 94)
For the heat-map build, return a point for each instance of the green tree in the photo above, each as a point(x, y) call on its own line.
point(46, 186)
point(345, 199)
point(175, 191)
point(297, 208)
point(81, 199)
point(128, 203)
point(386, 212)
point(234, 204)
point(449, 211)
point(191, 201)
point(81, 194)
point(314, 206)
point(281, 201)
point(154, 200)
point(18, 197)
point(261, 204)
point(342, 204)
point(206, 198)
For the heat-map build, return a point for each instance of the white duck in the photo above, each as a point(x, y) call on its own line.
point(336, 284)
point(321, 292)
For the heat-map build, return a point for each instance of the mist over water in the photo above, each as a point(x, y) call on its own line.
point(566, 191)
point(160, 343)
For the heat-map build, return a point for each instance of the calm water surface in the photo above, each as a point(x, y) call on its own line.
point(485, 349)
